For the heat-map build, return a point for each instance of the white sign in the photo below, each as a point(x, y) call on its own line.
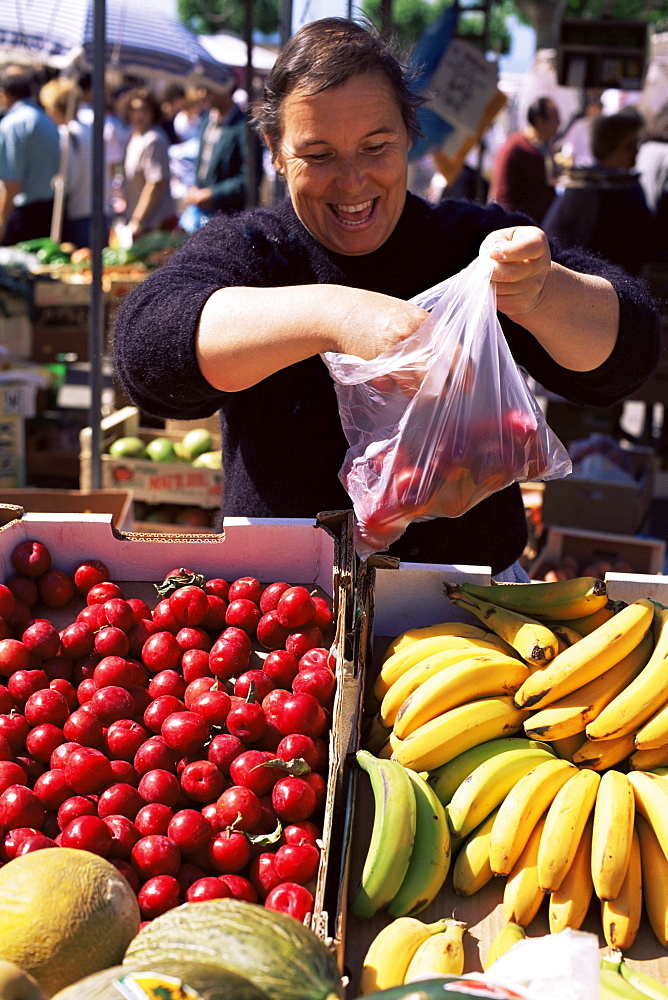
point(462, 85)
point(304, 11)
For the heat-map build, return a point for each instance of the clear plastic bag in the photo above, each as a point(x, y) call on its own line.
point(442, 421)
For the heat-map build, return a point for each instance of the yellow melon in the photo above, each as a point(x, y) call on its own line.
point(64, 913)
point(15, 984)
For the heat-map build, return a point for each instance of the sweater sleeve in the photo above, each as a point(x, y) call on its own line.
point(155, 332)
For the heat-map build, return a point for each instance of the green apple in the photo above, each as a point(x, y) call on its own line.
point(208, 460)
point(161, 449)
point(196, 442)
point(127, 447)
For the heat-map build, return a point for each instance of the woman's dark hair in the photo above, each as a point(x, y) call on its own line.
point(147, 97)
point(325, 54)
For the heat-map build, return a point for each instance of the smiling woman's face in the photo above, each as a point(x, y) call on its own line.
point(344, 156)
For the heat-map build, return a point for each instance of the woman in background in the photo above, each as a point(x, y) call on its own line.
point(148, 201)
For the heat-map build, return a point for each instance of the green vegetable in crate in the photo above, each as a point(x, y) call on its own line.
point(209, 460)
point(208, 982)
point(279, 955)
point(127, 447)
point(161, 449)
point(196, 442)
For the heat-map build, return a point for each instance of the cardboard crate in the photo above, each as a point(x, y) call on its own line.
point(118, 503)
point(601, 505)
point(645, 555)
point(393, 598)
point(154, 482)
point(318, 554)
point(17, 403)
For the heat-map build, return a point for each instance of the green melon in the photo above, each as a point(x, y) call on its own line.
point(275, 951)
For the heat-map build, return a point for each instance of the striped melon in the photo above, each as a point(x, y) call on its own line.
point(64, 913)
point(278, 954)
point(208, 983)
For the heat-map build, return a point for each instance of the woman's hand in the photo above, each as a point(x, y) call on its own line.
point(367, 324)
point(522, 265)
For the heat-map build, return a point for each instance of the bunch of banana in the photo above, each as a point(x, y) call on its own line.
point(408, 857)
point(390, 953)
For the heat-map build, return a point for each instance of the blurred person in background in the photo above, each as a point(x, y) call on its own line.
point(29, 160)
point(187, 120)
point(222, 164)
point(115, 136)
point(575, 144)
point(60, 98)
point(146, 175)
point(605, 209)
point(652, 166)
point(173, 101)
point(523, 170)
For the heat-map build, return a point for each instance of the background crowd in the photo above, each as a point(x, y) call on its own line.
point(176, 155)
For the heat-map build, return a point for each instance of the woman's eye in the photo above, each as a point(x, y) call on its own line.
point(317, 157)
point(377, 148)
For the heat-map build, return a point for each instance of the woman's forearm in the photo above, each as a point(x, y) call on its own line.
point(576, 320)
point(246, 334)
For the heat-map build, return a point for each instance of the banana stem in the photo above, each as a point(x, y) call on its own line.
point(647, 984)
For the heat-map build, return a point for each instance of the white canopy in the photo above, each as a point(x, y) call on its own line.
point(232, 51)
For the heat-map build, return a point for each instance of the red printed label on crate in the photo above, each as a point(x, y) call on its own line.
point(478, 988)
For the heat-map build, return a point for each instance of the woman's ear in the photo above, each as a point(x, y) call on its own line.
point(275, 156)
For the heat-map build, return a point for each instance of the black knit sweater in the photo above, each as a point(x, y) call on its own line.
point(282, 440)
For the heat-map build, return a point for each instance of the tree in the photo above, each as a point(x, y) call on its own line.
point(208, 17)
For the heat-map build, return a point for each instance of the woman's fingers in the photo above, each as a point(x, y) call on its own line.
point(522, 261)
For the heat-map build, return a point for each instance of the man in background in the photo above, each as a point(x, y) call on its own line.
point(29, 160)
point(224, 167)
point(523, 171)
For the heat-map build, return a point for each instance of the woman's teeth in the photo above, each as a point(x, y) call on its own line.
point(363, 210)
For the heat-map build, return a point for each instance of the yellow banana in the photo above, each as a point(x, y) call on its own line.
point(469, 680)
point(441, 954)
point(440, 629)
point(589, 658)
point(602, 754)
point(389, 954)
point(472, 870)
point(567, 745)
point(587, 623)
point(448, 735)
point(487, 786)
point(521, 809)
point(389, 746)
point(557, 600)
point(567, 636)
point(569, 903)
point(392, 835)
point(647, 760)
point(572, 713)
point(430, 858)
point(614, 813)
point(651, 800)
point(446, 779)
point(643, 697)
point(654, 879)
point(522, 896)
point(503, 941)
point(565, 821)
point(401, 661)
point(653, 735)
point(430, 667)
point(621, 916)
point(535, 642)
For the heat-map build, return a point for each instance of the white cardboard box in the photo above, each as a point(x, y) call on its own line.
point(318, 554)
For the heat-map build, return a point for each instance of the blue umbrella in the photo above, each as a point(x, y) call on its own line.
point(140, 39)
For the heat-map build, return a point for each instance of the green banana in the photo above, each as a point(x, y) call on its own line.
point(430, 858)
point(487, 786)
point(647, 984)
point(612, 984)
point(561, 599)
point(446, 779)
point(392, 835)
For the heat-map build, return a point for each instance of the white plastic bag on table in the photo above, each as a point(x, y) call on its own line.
point(441, 421)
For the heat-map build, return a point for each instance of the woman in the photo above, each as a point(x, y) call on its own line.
point(60, 99)
point(604, 204)
point(148, 201)
point(237, 319)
